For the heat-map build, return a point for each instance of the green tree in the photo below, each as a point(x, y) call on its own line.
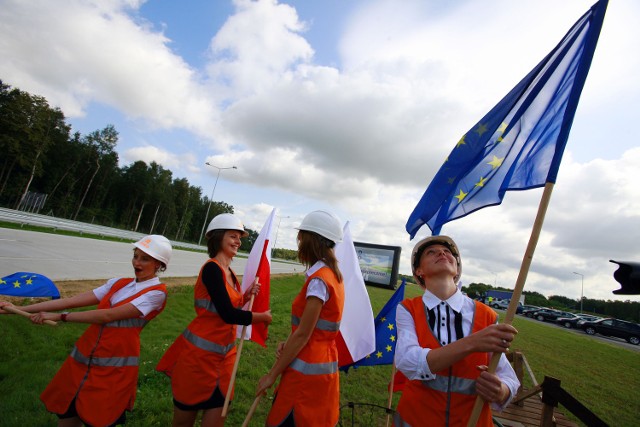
point(99, 146)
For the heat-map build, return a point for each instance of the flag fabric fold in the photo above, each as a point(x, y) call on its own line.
point(356, 338)
point(385, 332)
point(259, 265)
point(519, 144)
point(23, 284)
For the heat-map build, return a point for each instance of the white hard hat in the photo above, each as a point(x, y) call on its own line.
point(156, 246)
point(435, 240)
point(323, 223)
point(226, 221)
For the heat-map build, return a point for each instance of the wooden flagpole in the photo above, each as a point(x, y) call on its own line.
point(253, 408)
point(517, 291)
point(15, 310)
point(393, 376)
point(235, 365)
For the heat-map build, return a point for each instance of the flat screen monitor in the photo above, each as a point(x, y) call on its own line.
point(378, 263)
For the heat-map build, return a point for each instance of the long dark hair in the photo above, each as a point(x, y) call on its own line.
point(312, 248)
point(214, 242)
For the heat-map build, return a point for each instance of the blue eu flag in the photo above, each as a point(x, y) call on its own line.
point(386, 333)
point(23, 284)
point(519, 144)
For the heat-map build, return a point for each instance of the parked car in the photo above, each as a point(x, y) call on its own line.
point(503, 304)
point(549, 315)
point(614, 328)
point(587, 319)
point(528, 310)
point(574, 320)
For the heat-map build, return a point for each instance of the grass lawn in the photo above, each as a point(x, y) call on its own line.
point(604, 377)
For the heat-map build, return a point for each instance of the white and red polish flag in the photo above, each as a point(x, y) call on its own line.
point(259, 265)
point(357, 337)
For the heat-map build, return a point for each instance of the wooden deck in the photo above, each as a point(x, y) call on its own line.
point(529, 415)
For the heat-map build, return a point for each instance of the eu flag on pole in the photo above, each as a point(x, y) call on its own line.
point(519, 144)
point(386, 333)
point(22, 284)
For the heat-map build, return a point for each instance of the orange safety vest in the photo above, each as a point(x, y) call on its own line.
point(310, 385)
point(101, 372)
point(447, 400)
point(202, 358)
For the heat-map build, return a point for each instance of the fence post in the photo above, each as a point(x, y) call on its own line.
point(549, 401)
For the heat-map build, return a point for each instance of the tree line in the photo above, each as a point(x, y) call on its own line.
point(49, 169)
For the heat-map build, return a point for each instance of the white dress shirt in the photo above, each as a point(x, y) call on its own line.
point(411, 359)
point(145, 303)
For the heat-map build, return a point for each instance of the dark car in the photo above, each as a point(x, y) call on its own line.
point(528, 310)
point(573, 321)
point(614, 328)
point(549, 315)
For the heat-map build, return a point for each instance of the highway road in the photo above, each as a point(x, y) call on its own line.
point(76, 258)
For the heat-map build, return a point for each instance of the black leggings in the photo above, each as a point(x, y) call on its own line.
point(72, 412)
point(215, 401)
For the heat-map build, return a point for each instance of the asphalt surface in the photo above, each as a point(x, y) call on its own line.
point(77, 258)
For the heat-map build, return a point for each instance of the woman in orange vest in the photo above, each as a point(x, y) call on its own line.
point(97, 383)
point(309, 391)
point(200, 361)
point(444, 343)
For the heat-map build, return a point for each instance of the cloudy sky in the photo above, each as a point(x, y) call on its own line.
point(349, 106)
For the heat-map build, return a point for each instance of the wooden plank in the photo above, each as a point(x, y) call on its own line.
point(529, 415)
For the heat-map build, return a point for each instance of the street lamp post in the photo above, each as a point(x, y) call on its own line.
point(211, 199)
point(581, 289)
point(277, 229)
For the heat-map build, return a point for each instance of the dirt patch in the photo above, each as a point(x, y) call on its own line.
point(69, 288)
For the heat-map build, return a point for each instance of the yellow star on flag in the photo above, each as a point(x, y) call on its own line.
point(461, 196)
point(481, 129)
point(16, 284)
point(390, 326)
point(481, 182)
point(496, 162)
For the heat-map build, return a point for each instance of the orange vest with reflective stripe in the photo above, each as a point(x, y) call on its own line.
point(102, 370)
point(448, 400)
point(202, 358)
point(310, 386)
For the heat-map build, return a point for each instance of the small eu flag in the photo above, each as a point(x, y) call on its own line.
point(24, 284)
point(518, 145)
point(386, 333)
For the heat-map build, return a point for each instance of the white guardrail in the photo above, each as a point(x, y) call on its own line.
point(27, 218)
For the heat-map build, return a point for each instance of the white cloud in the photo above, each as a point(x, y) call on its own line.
point(167, 159)
point(362, 138)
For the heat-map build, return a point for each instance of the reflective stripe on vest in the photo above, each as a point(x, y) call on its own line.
point(207, 345)
point(458, 385)
point(128, 323)
point(321, 324)
point(207, 305)
point(314, 368)
point(114, 362)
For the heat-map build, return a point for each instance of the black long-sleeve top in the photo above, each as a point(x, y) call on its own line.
point(213, 281)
